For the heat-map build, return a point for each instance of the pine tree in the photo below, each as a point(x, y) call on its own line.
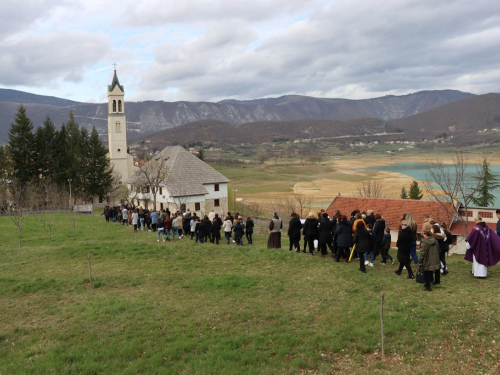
point(21, 147)
point(487, 182)
point(63, 154)
point(415, 192)
point(404, 194)
point(97, 172)
point(45, 145)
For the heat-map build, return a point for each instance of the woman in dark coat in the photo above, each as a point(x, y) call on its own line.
point(238, 233)
point(344, 238)
point(294, 229)
point(324, 234)
point(310, 231)
point(378, 233)
point(363, 241)
point(405, 239)
point(216, 225)
point(249, 229)
point(202, 230)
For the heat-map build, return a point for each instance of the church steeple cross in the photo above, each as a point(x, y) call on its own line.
point(114, 64)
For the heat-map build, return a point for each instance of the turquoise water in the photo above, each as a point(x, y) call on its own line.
point(417, 171)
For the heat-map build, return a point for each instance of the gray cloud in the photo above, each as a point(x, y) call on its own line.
point(39, 59)
point(362, 47)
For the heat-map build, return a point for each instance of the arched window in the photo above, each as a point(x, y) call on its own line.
point(114, 105)
point(119, 105)
point(118, 128)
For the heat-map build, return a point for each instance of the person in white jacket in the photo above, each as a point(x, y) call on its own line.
point(227, 225)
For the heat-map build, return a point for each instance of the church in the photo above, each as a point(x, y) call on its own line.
point(173, 179)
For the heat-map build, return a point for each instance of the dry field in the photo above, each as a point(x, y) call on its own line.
point(322, 182)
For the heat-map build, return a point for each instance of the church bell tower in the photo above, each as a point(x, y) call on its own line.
point(117, 128)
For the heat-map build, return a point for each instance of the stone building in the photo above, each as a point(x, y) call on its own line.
point(179, 181)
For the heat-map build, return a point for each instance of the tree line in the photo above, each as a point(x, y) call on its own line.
point(59, 157)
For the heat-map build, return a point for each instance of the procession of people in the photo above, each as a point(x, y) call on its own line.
point(364, 237)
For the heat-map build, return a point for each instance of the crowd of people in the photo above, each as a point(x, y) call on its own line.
point(364, 236)
point(176, 225)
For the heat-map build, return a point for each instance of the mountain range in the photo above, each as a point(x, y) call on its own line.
point(152, 116)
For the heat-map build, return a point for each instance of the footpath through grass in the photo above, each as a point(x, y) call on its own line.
point(186, 308)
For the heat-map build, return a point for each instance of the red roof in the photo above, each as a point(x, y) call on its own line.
point(459, 227)
point(391, 209)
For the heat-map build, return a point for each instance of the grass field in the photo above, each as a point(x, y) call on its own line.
point(166, 308)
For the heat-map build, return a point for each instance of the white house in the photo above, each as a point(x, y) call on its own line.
point(180, 181)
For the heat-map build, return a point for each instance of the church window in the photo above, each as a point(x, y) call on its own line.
point(114, 105)
point(119, 105)
point(118, 130)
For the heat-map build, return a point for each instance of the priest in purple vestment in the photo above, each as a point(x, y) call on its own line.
point(483, 248)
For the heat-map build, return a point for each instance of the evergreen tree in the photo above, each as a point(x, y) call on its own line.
point(201, 154)
point(21, 147)
point(97, 173)
point(487, 182)
point(415, 192)
point(45, 144)
point(404, 194)
point(64, 153)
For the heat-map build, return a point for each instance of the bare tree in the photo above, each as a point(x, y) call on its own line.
point(449, 185)
point(153, 174)
point(369, 189)
point(262, 156)
point(117, 191)
point(21, 203)
point(50, 199)
point(303, 202)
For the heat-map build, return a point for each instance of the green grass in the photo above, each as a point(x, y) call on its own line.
point(199, 309)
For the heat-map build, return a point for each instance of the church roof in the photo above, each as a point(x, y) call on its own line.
point(114, 83)
point(186, 173)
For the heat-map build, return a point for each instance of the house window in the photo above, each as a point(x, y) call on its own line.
point(486, 214)
point(216, 187)
point(183, 207)
point(161, 191)
point(161, 206)
point(462, 213)
point(197, 207)
point(216, 203)
point(153, 189)
point(146, 189)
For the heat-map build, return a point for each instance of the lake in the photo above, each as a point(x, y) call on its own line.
point(417, 171)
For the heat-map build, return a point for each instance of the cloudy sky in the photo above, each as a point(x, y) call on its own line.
point(212, 50)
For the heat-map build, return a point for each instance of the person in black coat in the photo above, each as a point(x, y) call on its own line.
point(370, 218)
point(310, 231)
point(249, 229)
point(362, 240)
point(324, 234)
point(378, 233)
point(344, 238)
point(294, 228)
point(405, 239)
point(208, 229)
point(216, 225)
point(238, 233)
